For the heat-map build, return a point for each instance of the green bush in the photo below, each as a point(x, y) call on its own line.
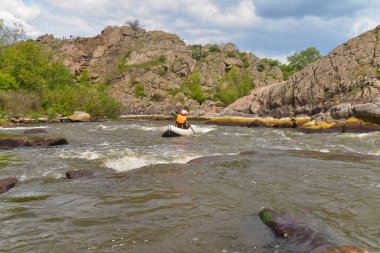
point(192, 87)
point(243, 56)
point(198, 53)
point(7, 82)
point(150, 63)
point(19, 102)
point(236, 86)
point(231, 54)
point(139, 91)
point(214, 48)
point(92, 99)
point(261, 67)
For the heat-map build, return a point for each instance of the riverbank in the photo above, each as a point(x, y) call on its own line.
point(305, 124)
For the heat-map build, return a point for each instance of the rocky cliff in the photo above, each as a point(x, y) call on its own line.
point(344, 83)
point(144, 69)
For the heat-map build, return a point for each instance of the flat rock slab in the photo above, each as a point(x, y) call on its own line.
point(7, 183)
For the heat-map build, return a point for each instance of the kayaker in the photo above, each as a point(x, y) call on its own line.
point(181, 119)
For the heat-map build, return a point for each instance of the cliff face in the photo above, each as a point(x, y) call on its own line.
point(156, 63)
point(344, 83)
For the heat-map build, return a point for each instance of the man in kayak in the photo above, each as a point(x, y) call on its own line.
point(181, 120)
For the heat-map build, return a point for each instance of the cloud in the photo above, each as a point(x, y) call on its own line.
point(17, 10)
point(279, 9)
point(273, 28)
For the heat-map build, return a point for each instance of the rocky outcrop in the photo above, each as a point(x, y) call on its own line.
point(345, 79)
point(156, 63)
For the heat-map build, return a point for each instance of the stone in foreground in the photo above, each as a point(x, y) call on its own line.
point(7, 183)
point(301, 235)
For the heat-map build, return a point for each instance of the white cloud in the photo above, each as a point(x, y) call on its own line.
point(243, 14)
point(279, 57)
point(205, 21)
point(363, 24)
point(19, 10)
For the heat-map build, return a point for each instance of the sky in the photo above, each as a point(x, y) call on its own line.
point(268, 28)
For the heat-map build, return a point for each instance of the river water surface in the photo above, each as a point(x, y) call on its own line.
point(188, 194)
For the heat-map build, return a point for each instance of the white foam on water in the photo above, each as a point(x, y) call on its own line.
point(129, 160)
point(23, 178)
point(323, 150)
point(359, 135)
point(374, 153)
point(149, 129)
point(87, 155)
point(21, 128)
point(202, 129)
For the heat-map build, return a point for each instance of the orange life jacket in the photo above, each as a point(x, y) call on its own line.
point(181, 119)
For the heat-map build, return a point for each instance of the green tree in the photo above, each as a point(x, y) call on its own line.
point(10, 35)
point(32, 67)
point(7, 82)
point(134, 24)
point(305, 57)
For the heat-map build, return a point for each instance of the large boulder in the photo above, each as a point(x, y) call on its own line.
point(342, 111)
point(79, 116)
point(368, 112)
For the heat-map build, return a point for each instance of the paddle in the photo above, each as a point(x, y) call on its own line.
point(192, 128)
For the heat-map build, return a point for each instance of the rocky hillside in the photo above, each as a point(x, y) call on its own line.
point(344, 83)
point(145, 70)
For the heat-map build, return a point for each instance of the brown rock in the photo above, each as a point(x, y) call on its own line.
point(78, 173)
point(14, 142)
point(7, 183)
point(79, 116)
point(301, 235)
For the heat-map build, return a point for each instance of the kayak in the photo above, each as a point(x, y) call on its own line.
point(172, 131)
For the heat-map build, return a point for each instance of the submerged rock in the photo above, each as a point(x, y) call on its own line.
point(15, 142)
point(79, 173)
point(301, 235)
point(7, 183)
point(35, 131)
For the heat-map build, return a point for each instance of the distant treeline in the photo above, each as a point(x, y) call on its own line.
point(33, 82)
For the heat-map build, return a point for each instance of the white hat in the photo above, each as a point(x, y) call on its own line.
point(184, 112)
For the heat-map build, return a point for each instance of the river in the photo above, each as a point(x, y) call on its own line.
point(147, 197)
